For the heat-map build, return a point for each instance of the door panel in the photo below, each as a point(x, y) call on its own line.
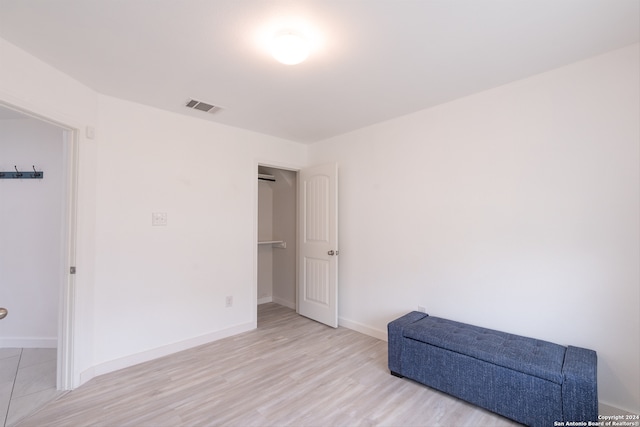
point(316, 275)
point(318, 240)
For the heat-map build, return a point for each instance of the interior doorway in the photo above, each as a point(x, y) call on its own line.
point(61, 244)
point(277, 236)
point(297, 233)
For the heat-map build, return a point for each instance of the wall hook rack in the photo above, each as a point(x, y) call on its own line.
point(22, 175)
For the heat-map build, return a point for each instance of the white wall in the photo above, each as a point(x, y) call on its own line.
point(157, 287)
point(32, 85)
point(515, 209)
point(143, 291)
point(30, 233)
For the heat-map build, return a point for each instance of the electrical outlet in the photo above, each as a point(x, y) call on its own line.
point(422, 309)
point(228, 301)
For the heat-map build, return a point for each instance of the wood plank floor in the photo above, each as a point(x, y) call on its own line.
point(291, 371)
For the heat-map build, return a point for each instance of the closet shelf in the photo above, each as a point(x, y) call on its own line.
point(280, 244)
point(266, 177)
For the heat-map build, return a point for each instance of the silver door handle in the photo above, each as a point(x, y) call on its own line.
point(3, 312)
point(331, 253)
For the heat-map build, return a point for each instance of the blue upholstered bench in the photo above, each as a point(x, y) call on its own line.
point(533, 382)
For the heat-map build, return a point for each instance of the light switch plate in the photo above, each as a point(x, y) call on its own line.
point(91, 132)
point(159, 218)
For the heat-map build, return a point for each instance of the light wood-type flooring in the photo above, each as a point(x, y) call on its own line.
point(291, 371)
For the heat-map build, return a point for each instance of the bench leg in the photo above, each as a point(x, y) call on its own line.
point(395, 374)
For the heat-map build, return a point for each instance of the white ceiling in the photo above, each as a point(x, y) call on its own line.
point(373, 60)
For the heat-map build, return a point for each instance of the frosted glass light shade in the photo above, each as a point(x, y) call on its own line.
point(289, 49)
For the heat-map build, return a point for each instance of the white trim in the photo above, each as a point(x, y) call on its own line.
point(87, 375)
point(145, 356)
point(264, 300)
point(606, 409)
point(66, 380)
point(362, 328)
point(276, 165)
point(290, 304)
point(49, 115)
point(28, 342)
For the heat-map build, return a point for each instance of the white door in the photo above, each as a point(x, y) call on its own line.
point(318, 244)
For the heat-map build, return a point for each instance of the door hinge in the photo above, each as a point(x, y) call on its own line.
point(72, 270)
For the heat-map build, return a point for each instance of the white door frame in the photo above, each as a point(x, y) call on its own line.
point(65, 378)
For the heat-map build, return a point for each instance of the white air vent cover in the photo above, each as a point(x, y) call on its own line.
point(202, 106)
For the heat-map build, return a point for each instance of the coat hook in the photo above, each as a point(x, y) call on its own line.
point(18, 173)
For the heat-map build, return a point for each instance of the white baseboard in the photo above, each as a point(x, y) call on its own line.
point(363, 329)
point(289, 304)
point(605, 409)
point(265, 300)
point(28, 342)
point(85, 376)
point(145, 356)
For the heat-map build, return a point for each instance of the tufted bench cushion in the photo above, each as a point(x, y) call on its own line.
point(534, 382)
point(530, 356)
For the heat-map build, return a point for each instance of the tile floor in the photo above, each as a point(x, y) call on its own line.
point(27, 381)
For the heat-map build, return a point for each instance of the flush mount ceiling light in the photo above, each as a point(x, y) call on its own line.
point(289, 48)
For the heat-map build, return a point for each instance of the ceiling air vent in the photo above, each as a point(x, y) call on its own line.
point(202, 106)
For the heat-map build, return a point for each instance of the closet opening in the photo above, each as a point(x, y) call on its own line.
point(38, 222)
point(277, 237)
